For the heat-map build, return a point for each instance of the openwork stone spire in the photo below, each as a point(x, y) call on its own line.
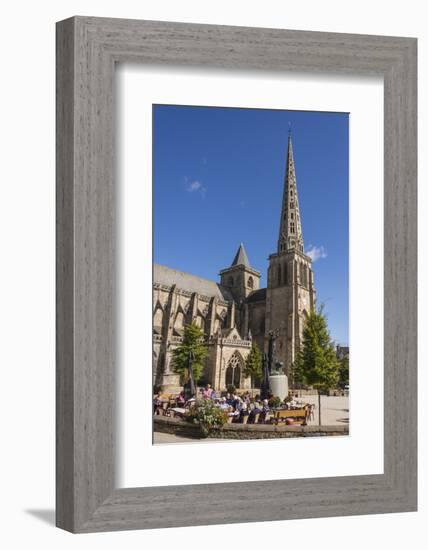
point(290, 227)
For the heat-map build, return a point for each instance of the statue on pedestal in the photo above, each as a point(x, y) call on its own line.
point(275, 381)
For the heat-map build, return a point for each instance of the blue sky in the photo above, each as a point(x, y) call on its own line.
point(218, 178)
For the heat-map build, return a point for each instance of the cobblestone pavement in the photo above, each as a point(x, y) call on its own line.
point(334, 410)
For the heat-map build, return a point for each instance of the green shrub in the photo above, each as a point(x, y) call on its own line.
point(274, 402)
point(206, 415)
point(231, 388)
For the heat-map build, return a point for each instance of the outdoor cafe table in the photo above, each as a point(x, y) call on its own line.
point(178, 411)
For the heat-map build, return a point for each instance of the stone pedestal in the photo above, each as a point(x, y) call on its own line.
point(171, 383)
point(279, 385)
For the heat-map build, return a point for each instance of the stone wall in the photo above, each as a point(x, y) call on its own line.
point(173, 308)
point(256, 322)
point(182, 428)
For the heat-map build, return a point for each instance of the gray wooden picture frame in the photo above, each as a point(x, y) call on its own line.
point(87, 50)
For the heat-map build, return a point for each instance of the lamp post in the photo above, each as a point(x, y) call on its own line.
point(190, 388)
point(193, 387)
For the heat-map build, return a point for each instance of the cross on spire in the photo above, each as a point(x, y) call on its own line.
point(290, 227)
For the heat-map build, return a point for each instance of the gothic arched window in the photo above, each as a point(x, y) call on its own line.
point(250, 282)
point(233, 370)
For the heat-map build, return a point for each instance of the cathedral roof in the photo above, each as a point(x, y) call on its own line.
point(241, 257)
point(257, 296)
point(231, 332)
point(185, 281)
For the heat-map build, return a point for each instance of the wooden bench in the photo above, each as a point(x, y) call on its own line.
point(281, 415)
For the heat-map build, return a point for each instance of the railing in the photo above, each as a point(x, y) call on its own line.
point(208, 340)
point(237, 343)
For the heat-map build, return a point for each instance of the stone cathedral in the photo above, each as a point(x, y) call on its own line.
point(235, 311)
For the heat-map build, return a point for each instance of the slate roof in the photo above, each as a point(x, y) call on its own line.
point(257, 296)
point(185, 281)
point(241, 257)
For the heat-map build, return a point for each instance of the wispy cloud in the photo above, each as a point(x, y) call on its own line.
point(316, 253)
point(195, 186)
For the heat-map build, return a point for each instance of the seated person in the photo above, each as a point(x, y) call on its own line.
point(265, 409)
point(180, 399)
point(223, 404)
point(235, 414)
point(243, 411)
point(206, 393)
point(254, 410)
point(236, 401)
point(229, 399)
point(157, 404)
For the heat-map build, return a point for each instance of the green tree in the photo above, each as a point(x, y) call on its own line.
point(316, 364)
point(253, 364)
point(193, 340)
point(343, 371)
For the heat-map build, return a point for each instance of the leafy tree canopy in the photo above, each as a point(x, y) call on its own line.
point(193, 340)
point(316, 364)
point(253, 363)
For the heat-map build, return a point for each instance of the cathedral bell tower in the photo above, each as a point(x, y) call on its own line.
point(290, 290)
point(240, 277)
